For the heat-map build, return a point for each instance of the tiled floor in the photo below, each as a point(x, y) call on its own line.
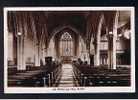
point(67, 76)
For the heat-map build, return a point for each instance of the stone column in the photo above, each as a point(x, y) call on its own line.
point(97, 54)
point(112, 44)
point(98, 39)
point(37, 54)
point(20, 53)
point(110, 50)
point(114, 39)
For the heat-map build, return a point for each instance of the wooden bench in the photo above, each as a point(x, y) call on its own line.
point(101, 76)
point(37, 76)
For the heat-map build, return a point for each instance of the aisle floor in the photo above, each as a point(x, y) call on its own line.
point(67, 76)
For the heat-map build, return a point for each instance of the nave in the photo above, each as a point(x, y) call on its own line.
point(68, 48)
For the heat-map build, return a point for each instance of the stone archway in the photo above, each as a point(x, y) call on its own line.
point(73, 42)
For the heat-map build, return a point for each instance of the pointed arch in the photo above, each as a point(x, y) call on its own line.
point(98, 38)
point(60, 28)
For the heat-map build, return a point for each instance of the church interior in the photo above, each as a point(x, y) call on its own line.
point(68, 48)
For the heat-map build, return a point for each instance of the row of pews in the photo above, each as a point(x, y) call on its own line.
point(88, 75)
point(36, 76)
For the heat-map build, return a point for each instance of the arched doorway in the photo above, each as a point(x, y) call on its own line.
point(66, 47)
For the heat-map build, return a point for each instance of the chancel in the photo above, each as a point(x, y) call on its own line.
point(69, 48)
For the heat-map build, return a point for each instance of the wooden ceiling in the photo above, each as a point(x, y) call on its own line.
point(42, 22)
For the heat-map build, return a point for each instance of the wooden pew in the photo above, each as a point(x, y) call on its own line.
point(101, 76)
point(36, 76)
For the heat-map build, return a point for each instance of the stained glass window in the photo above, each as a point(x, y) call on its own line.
point(66, 45)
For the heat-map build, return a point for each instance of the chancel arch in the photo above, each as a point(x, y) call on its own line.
point(66, 43)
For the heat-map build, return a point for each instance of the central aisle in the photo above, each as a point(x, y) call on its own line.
point(67, 76)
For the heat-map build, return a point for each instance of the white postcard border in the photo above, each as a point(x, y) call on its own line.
point(130, 89)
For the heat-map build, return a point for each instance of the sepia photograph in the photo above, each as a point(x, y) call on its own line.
point(69, 49)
